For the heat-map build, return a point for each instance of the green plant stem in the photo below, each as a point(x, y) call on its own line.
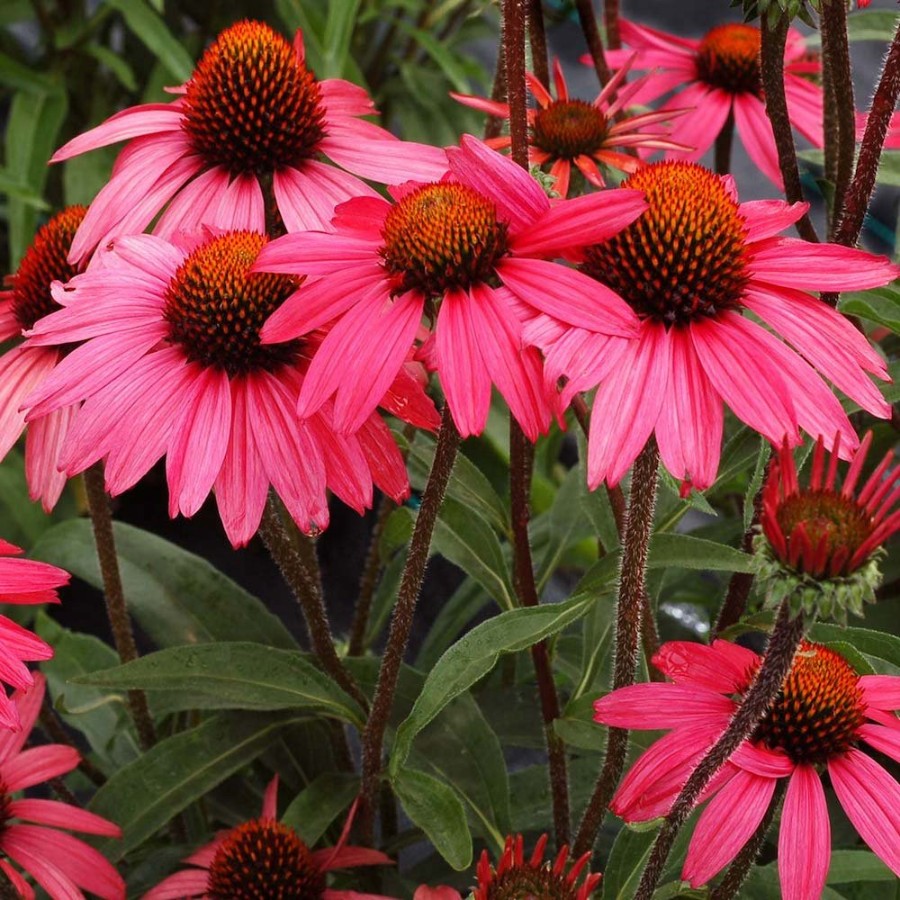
point(402, 619)
point(113, 593)
point(724, 140)
point(738, 871)
point(774, 39)
point(592, 37)
point(629, 615)
point(299, 566)
point(783, 643)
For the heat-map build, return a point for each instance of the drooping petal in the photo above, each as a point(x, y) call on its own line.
point(804, 841)
point(22, 369)
point(43, 447)
point(755, 131)
point(700, 127)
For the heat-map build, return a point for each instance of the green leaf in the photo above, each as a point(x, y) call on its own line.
point(105, 725)
point(336, 40)
point(14, 186)
point(23, 521)
point(437, 809)
point(149, 28)
point(475, 654)
point(19, 77)
point(235, 675)
point(176, 597)
point(688, 552)
point(116, 64)
point(446, 60)
point(865, 640)
point(626, 862)
point(146, 794)
point(465, 603)
point(872, 25)
point(850, 866)
point(314, 809)
point(881, 305)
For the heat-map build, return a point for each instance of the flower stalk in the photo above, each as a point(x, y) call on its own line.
point(783, 643)
point(592, 37)
point(114, 595)
point(629, 615)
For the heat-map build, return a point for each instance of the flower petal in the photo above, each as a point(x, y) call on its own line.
point(804, 841)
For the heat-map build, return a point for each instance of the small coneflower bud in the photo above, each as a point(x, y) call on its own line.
point(820, 544)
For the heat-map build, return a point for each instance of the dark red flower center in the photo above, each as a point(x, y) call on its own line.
point(569, 128)
point(684, 257)
point(826, 516)
point(728, 58)
point(216, 306)
point(251, 105)
point(442, 237)
point(264, 860)
point(43, 262)
point(819, 709)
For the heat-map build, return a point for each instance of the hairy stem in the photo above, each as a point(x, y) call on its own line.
point(300, 568)
point(724, 140)
point(611, 22)
point(402, 619)
point(537, 37)
point(588, 22)
point(113, 593)
point(774, 39)
point(629, 614)
point(776, 664)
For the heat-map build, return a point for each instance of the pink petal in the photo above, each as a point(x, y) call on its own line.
point(342, 98)
point(62, 815)
point(726, 824)
point(438, 893)
point(642, 37)
point(57, 885)
point(28, 703)
point(662, 705)
point(723, 667)
point(881, 691)
point(22, 369)
point(766, 218)
point(760, 760)
point(518, 197)
point(189, 883)
point(794, 263)
point(345, 857)
point(43, 447)
point(346, 468)
point(386, 463)
point(38, 764)
point(464, 374)
point(482, 104)
point(871, 798)
point(316, 253)
point(197, 203)
point(699, 128)
point(18, 882)
point(627, 405)
point(887, 740)
point(270, 800)
point(689, 429)
point(755, 131)
point(585, 220)
point(567, 295)
point(200, 440)
point(26, 575)
point(307, 197)
point(735, 353)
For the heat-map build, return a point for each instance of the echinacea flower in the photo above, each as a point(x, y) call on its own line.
point(266, 858)
point(424, 892)
point(820, 544)
point(250, 110)
point(61, 864)
point(23, 368)
point(719, 76)
point(22, 581)
point(822, 720)
point(470, 253)
point(567, 131)
point(690, 267)
point(171, 363)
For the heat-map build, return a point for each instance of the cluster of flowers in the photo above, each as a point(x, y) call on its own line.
point(279, 301)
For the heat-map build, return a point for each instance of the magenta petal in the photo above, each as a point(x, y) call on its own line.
point(661, 705)
point(689, 429)
point(38, 764)
point(63, 815)
point(181, 885)
point(885, 739)
point(22, 369)
point(726, 825)
point(28, 703)
point(43, 447)
point(761, 760)
point(723, 667)
point(804, 840)
point(308, 196)
point(755, 131)
point(464, 375)
point(341, 98)
point(700, 127)
point(57, 885)
point(316, 253)
point(386, 463)
point(871, 798)
point(881, 691)
point(346, 469)
point(766, 218)
point(627, 405)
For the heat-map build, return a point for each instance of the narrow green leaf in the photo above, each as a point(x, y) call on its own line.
point(14, 186)
point(850, 866)
point(437, 809)
point(687, 552)
point(446, 60)
point(475, 654)
point(115, 63)
point(149, 28)
point(865, 640)
point(176, 596)
point(232, 675)
point(881, 305)
point(20, 77)
point(146, 794)
point(338, 32)
point(314, 809)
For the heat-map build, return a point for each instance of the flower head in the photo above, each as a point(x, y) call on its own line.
point(820, 544)
point(822, 720)
point(690, 267)
point(172, 364)
point(516, 876)
point(61, 864)
point(719, 76)
point(22, 581)
point(566, 132)
point(251, 110)
point(266, 858)
point(469, 251)
point(24, 368)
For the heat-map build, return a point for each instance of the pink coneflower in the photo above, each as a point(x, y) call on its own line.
point(61, 864)
point(470, 253)
point(22, 581)
point(424, 892)
point(818, 722)
point(689, 267)
point(567, 131)
point(172, 364)
point(265, 858)
point(250, 110)
point(23, 368)
point(719, 76)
